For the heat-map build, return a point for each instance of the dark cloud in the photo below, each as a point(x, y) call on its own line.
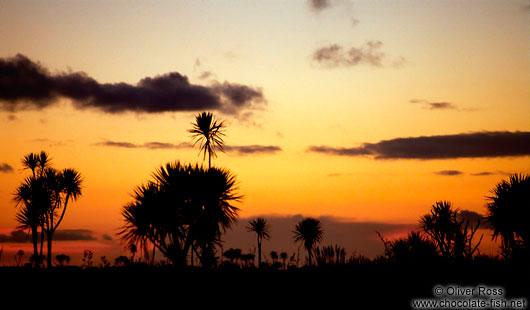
point(442, 105)
point(252, 149)
point(238, 149)
point(146, 145)
point(319, 5)
point(163, 145)
point(73, 235)
point(234, 97)
point(473, 217)
point(483, 173)
point(341, 151)
point(334, 55)
point(449, 172)
point(19, 236)
point(360, 237)
point(16, 236)
point(12, 117)
point(118, 144)
point(465, 145)
point(6, 168)
point(107, 237)
point(26, 84)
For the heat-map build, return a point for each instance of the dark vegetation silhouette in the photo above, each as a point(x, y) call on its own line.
point(309, 232)
point(62, 259)
point(208, 132)
point(183, 205)
point(454, 238)
point(508, 212)
point(262, 230)
point(42, 200)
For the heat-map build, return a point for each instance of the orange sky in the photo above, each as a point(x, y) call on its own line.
point(469, 57)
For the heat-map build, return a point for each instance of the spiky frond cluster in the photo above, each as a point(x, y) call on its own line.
point(183, 205)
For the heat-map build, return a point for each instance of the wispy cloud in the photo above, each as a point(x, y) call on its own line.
point(6, 168)
point(18, 236)
point(253, 149)
point(334, 55)
point(440, 105)
point(236, 149)
point(26, 84)
point(147, 145)
point(465, 145)
point(449, 172)
point(483, 173)
point(437, 105)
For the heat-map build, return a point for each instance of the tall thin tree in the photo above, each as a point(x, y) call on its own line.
point(309, 232)
point(209, 133)
point(262, 230)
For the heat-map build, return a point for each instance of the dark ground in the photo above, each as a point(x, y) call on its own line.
point(364, 286)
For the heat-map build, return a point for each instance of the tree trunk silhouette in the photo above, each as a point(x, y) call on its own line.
point(35, 240)
point(49, 257)
point(259, 253)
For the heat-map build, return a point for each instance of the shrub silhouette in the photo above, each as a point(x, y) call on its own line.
point(412, 249)
point(62, 259)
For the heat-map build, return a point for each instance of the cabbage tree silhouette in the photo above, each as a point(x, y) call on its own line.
point(309, 232)
point(262, 230)
point(32, 197)
point(209, 133)
point(42, 196)
point(454, 238)
point(508, 213)
point(274, 256)
point(181, 206)
point(64, 186)
point(283, 256)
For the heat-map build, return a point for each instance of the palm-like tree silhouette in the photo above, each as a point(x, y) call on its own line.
point(262, 230)
point(37, 163)
point(65, 186)
point(209, 133)
point(309, 232)
point(32, 200)
point(183, 205)
point(283, 256)
point(454, 238)
point(508, 213)
point(43, 199)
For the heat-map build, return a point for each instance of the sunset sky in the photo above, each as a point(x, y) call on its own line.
point(358, 111)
